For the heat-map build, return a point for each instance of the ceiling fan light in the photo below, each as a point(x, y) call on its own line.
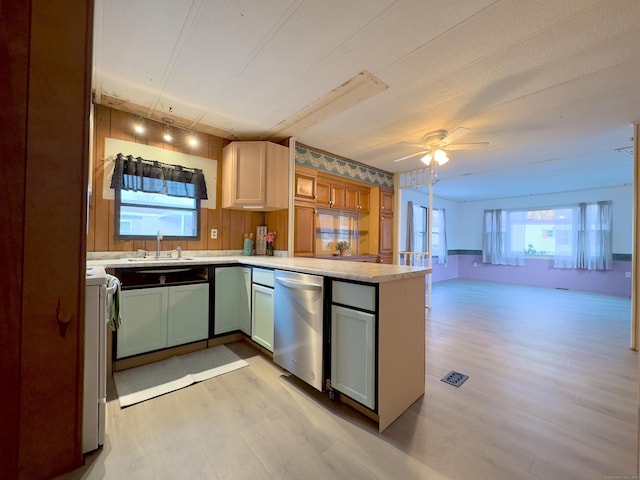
point(427, 159)
point(440, 156)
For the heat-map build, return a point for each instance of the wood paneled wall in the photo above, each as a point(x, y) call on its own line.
point(231, 224)
point(45, 92)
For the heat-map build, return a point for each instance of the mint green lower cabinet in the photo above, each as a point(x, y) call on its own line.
point(188, 314)
point(161, 317)
point(228, 302)
point(262, 316)
point(353, 354)
point(144, 321)
point(245, 301)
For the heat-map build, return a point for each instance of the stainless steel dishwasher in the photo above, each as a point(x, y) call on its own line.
point(298, 325)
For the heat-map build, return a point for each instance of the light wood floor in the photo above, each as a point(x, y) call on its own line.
point(551, 395)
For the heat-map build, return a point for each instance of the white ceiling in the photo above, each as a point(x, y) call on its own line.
point(552, 85)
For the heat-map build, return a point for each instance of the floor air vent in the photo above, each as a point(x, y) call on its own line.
point(455, 378)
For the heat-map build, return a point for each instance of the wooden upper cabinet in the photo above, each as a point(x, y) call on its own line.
point(255, 176)
point(386, 202)
point(357, 199)
point(305, 185)
point(338, 196)
point(331, 194)
point(323, 193)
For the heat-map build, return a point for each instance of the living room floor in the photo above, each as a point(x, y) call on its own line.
point(551, 394)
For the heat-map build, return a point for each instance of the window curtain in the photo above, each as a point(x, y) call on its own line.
point(150, 176)
point(441, 224)
point(567, 239)
point(503, 237)
point(594, 251)
point(410, 228)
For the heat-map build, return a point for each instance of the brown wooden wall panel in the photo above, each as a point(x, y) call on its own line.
point(278, 221)
point(14, 42)
point(45, 51)
point(231, 224)
point(100, 227)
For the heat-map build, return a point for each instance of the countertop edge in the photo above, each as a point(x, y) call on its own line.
point(356, 271)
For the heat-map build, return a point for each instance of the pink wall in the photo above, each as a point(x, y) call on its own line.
point(540, 273)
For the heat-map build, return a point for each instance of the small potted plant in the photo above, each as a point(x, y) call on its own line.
point(270, 237)
point(342, 247)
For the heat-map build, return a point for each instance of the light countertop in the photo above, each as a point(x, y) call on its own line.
point(358, 271)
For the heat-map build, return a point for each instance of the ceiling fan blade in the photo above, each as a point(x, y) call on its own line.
point(453, 136)
point(468, 146)
point(421, 145)
point(409, 156)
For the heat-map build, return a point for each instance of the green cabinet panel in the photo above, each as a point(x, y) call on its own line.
point(228, 301)
point(262, 316)
point(188, 314)
point(144, 321)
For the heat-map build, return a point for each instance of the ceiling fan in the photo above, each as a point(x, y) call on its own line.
point(436, 144)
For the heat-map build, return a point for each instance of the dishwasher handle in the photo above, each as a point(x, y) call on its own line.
point(296, 285)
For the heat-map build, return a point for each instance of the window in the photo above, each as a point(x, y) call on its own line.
point(547, 231)
point(141, 214)
point(577, 237)
point(423, 228)
point(151, 196)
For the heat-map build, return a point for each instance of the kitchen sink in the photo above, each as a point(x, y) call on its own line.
point(158, 259)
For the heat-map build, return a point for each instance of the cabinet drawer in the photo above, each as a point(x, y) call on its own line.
point(263, 277)
point(353, 295)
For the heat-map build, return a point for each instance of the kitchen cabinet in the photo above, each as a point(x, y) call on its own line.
point(144, 321)
point(330, 195)
point(304, 221)
point(305, 185)
point(230, 306)
point(188, 314)
point(245, 301)
point(353, 341)
point(386, 224)
point(262, 311)
point(255, 175)
point(357, 199)
point(161, 317)
point(386, 202)
point(385, 259)
point(386, 234)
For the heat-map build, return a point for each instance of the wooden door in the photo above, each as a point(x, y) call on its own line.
point(323, 194)
point(386, 234)
point(305, 185)
point(338, 196)
point(386, 202)
point(351, 199)
point(364, 200)
point(249, 173)
point(304, 220)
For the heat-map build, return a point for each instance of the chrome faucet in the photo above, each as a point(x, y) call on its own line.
point(158, 238)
